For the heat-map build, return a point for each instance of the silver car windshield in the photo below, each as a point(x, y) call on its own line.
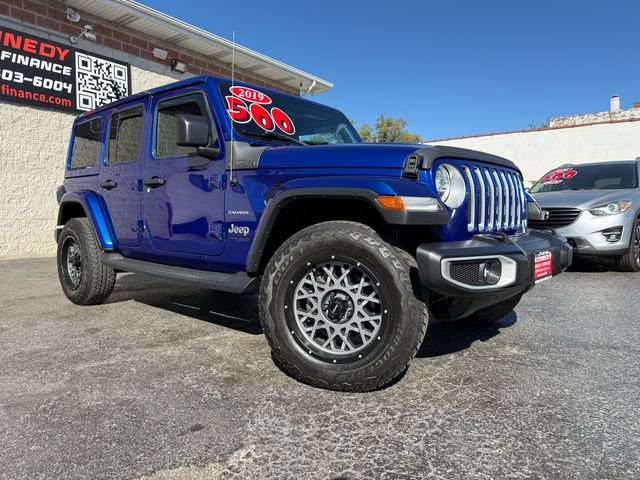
point(588, 177)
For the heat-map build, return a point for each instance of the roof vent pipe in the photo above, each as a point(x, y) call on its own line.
point(615, 104)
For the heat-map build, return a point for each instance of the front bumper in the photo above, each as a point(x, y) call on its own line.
point(585, 234)
point(515, 253)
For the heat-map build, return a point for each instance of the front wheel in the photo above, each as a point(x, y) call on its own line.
point(631, 261)
point(338, 308)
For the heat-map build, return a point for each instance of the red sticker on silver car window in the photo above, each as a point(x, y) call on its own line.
point(250, 105)
point(557, 176)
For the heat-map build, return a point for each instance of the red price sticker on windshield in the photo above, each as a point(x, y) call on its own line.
point(249, 105)
point(557, 176)
point(542, 266)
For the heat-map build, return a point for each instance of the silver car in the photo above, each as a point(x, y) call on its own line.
point(596, 206)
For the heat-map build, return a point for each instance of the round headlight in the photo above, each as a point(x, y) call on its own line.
point(450, 185)
point(443, 182)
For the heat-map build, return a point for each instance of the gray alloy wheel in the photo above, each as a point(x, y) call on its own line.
point(338, 307)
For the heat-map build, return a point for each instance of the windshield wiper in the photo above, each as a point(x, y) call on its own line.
point(271, 135)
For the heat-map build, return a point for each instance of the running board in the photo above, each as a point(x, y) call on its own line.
point(227, 282)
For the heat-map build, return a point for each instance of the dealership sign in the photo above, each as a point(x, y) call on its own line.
point(45, 74)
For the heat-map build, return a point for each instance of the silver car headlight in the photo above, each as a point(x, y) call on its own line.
point(450, 185)
point(611, 208)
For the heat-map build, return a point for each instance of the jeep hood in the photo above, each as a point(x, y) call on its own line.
point(353, 155)
point(582, 199)
point(368, 155)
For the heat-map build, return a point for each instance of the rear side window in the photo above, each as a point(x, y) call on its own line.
point(125, 135)
point(84, 151)
point(166, 124)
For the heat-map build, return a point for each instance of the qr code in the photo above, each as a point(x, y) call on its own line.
point(99, 81)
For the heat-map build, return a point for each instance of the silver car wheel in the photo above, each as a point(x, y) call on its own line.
point(338, 307)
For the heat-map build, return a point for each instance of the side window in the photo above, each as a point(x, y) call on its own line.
point(167, 129)
point(125, 135)
point(84, 151)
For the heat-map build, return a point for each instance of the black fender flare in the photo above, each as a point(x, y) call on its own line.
point(276, 203)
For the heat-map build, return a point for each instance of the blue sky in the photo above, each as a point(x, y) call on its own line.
point(449, 68)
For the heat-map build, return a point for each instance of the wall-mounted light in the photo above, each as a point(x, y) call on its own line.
point(72, 15)
point(160, 53)
point(178, 66)
point(87, 32)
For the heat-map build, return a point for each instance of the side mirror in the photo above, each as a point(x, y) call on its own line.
point(193, 131)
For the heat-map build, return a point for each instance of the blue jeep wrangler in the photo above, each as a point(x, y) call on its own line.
point(350, 245)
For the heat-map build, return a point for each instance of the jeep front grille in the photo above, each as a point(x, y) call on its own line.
point(558, 217)
point(495, 199)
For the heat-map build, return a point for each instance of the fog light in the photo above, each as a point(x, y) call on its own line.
point(491, 271)
point(612, 234)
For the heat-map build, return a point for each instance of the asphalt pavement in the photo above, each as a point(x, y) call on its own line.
point(172, 383)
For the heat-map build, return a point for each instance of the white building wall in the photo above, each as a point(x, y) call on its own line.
point(33, 150)
point(538, 151)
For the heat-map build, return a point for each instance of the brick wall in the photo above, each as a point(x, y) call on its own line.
point(34, 142)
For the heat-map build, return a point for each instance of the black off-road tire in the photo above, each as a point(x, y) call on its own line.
point(95, 282)
point(631, 261)
point(493, 313)
point(402, 327)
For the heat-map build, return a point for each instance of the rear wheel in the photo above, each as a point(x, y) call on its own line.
point(85, 280)
point(631, 261)
point(338, 308)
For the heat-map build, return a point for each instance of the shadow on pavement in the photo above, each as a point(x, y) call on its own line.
point(239, 312)
point(444, 338)
point(592, 265)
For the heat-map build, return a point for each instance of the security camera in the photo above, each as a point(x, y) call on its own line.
point(87, 32)
point(72, 15)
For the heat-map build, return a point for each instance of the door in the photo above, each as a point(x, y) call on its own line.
point(121, 172)
point(183, 196)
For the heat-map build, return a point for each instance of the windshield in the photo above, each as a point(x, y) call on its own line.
point(588, 177)
point(284, 119)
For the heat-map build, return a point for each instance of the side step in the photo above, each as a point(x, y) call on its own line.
point(227, 282)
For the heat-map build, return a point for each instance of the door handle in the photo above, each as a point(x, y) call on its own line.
point(108, 184)
point(154, 182)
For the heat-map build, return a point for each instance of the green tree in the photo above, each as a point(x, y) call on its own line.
point(544, 124)
point(388, 130)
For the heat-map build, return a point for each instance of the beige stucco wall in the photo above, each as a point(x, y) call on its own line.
point(33, 149)
point(538, 151)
